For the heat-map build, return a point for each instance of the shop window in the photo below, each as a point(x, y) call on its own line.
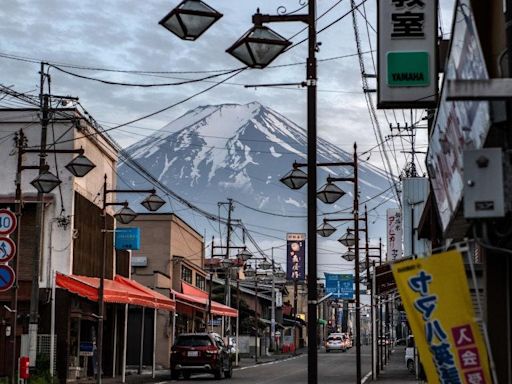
point(200, 282)
point(186, 274)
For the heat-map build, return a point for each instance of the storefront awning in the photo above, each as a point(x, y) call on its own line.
point(194, 295)
point(120, 291)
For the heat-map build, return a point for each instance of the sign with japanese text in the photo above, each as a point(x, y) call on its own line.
point(458, 126)
point(407, 53)
point(436, 298)
point(394, 234)
point(341, 286)
point(296, 256)
point(127, 238)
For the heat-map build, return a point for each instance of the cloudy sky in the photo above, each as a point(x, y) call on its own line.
point(125, 35)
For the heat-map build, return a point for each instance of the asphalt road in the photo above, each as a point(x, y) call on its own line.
point(333, 367)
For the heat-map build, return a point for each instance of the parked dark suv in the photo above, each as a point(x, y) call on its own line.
point(200, 353)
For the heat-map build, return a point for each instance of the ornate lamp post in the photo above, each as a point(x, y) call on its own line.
point(329, 194)
point(45, 182)
point(257, 48)
point(125, 216)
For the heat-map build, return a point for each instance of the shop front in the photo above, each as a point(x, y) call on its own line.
point(77, 333)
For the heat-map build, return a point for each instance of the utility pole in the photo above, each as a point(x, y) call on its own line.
point(228, 271)
point(273, 310)
point(34, 296)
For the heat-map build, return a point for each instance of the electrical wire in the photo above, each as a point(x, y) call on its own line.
point(108, 82)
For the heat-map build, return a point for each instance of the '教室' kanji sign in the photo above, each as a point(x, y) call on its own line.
point(436, 298)
point(407, 53)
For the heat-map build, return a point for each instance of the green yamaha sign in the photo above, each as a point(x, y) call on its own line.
point(408, 69)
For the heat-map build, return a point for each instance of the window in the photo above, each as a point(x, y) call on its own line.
point(200, 282)
point(186, 274)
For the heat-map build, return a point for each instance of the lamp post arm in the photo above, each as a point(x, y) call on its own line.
point(130, 191)
point(334, 179)
point(79, 151)
point(260, 19)
point(335, 164)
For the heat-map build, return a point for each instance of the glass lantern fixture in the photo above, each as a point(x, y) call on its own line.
point(45, 182)
point(80, 166)
point(245, 254)
point(258, 47)
point(190, 19)
point(295, 179)
point(329, 193)
point(348, 239)
point(325, 230)
point(349, 255)
point(153, 202)
point(125, 215)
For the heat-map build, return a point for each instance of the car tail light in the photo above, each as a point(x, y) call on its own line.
point(212, 350)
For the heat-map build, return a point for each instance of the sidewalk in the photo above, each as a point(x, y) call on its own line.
point(395, 370)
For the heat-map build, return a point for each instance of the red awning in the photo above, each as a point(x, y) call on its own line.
point(162, 301)
point(120, 291)
point(194, 295)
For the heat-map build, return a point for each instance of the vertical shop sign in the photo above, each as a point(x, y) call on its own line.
point(436, 298)
point(407, 54)
point(296, 256)
point(394, 234)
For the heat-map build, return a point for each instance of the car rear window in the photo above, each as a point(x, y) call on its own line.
point(337, 338)
point(193, 341)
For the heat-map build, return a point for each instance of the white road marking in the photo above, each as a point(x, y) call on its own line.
point(270, 362)
point(368, 375)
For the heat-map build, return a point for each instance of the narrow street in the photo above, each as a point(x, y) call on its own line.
point(334, 367)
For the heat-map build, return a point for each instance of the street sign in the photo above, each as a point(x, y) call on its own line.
point(7, 249)
point(8, 222)
point(6, 278)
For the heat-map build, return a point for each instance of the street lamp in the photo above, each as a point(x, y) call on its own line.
point(249, 271)
point(349, 255)
point(80, 166)
point(329, 193)
point(45, 182)
point(295, 179)
point(265, 265)
point(348, 239)
point(259, 46)
point(125, 215)
point(325, 230)
point(257, 54)
point(190, 19)
point(245, 255)
point(153, 202)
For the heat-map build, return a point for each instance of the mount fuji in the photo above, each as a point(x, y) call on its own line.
point(216, 152)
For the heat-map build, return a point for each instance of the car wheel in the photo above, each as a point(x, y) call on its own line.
point(410, 367)
point(175, 375)
point(229, 373)
point(327, 351)
point(219, 371)
point(186, 375)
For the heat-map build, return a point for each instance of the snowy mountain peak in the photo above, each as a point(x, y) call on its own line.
point(216, 151)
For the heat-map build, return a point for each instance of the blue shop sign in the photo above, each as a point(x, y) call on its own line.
point(127, 239)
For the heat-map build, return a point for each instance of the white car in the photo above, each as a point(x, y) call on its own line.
point(336, 342)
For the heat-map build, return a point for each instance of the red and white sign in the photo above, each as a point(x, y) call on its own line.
point(8, 222)
point(7, 249)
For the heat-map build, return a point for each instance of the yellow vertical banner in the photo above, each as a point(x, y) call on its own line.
point(436, 298)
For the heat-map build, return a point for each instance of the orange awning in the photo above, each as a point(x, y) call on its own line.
point(120, 291)
point(162, 302)
point(195, 295)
